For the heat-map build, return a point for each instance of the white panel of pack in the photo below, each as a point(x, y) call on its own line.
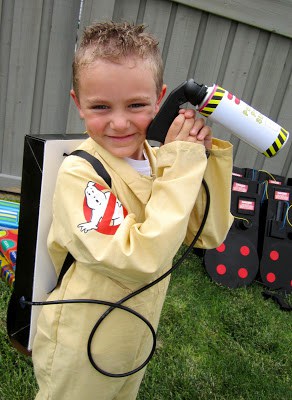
point(265, 88)
point(274, 16)
point(24, 41)
point(58, 77)
point(183, 39)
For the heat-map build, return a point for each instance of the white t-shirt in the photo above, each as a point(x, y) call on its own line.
point(141, 166)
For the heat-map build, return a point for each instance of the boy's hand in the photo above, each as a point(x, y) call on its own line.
point(188, 128)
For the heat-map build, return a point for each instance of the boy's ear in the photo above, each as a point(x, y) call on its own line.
point(76, 101)
point(160, 97)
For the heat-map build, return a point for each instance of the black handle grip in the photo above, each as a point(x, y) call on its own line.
point(158, 128)
point(187, 91)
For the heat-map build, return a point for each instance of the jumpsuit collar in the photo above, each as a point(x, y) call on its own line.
point(140, 185)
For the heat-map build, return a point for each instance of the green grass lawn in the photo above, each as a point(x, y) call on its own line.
point(214, 343)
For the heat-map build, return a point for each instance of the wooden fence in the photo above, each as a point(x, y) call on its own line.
point(245, 47)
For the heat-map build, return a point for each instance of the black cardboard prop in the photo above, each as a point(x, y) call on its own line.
point(235, 262)
point(35, 275)
point(260, 238)
point(275, 265)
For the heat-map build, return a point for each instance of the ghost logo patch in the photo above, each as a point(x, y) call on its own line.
point(102, 210)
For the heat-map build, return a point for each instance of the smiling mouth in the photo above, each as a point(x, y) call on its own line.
point(122, 138)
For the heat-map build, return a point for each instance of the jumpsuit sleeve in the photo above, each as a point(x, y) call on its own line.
point(137, 251)
point(218, 177)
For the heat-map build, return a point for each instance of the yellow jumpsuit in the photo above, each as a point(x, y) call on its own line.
point(152, 217)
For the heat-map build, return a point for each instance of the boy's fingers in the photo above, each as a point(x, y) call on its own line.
point(175, 128)
point(204, 136)
point(208, 141)
point(186, 128)
point(179, 129)
point(188, 113)
point(204, 133)
point(198, 127)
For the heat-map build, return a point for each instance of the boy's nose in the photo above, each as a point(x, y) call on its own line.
point(119, 122)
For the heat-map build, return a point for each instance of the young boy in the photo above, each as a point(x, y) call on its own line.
point(124, 236)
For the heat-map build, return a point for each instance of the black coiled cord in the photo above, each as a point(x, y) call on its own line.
point(119, 304)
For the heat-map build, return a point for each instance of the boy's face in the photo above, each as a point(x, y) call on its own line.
point(117, 102)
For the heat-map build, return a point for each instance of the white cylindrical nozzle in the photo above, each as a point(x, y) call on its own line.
point(244, 121)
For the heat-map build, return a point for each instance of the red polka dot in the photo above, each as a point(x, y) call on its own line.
point(274, 255)
point(221, 248)
point(244, 250)
point(221, 269)
point(242, 273)
point(271, 277)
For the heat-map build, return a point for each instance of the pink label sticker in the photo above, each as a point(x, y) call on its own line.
point(239, 187)
point(275, 182)
point(246, 205)
point(282, 196)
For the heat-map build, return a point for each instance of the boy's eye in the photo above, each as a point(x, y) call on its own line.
point(137, 105)
point(100, 107)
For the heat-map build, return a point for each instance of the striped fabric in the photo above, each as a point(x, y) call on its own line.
point(9, 214)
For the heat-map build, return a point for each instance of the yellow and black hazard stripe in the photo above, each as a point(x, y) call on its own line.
point(278, 143)
point(213, 102)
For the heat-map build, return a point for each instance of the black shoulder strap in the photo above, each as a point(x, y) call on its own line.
point(97, 165)
point(101, 171)
point(66, 265)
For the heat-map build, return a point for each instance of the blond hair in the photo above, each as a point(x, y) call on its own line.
point(114, 41)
